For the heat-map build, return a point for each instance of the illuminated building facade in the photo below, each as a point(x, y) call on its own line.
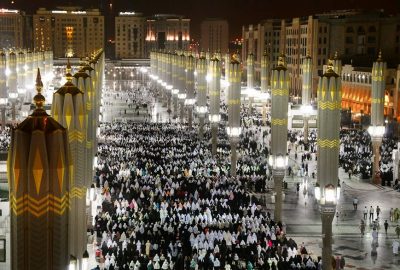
point(15, 30)
point(68, 31)
point(214, 35)
point(130, 35)
point(169, 32)
point(354, 35)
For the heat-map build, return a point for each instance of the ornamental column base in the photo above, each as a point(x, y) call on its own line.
point(327, 214)
point(278, 176)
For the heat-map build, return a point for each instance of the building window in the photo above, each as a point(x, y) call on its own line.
point(371, 39)
point(349, 40)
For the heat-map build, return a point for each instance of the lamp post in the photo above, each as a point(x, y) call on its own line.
point(329, 107)
point(250, 79)
point(189, 102)
point(201, 96)
point(234, 128)
point(214, 72)
point(377, 128)
point(306, 94)
point(279, 129)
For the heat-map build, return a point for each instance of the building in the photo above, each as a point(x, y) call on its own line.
point(68, 31)
point(15, 29)
point(356, 37)
point(130, 31)
point(167, 32)
point(214, 35)
point(264, 36)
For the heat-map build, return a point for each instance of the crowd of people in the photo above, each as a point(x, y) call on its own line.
point(168, 204)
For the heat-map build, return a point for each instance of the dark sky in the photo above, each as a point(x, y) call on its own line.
point(237, 12)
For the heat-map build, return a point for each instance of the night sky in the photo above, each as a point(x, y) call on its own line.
point(237, 12)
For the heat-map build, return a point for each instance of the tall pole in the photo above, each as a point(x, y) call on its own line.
point(234, 129)
point(214, 71)
point(377, 128)
point(190, 65)
point(279, 129)
point(329, 107)
point(201, 96)
point(306, 92)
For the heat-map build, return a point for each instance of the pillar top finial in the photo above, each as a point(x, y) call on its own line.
point(281, 62)
point(39, 99)
point(329, 71)
point(335, 57)
point(379, 56)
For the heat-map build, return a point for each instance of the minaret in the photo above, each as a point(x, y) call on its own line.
point(234, 128)
point(68, 109)
point(201, 96)
point(214, 70)
point(329, 108)
point(39, 176)
point(279, 121)
point(377, 128)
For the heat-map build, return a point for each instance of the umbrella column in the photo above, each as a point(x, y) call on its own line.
point(214, 71)
point(377, 128)
point(182, 86)
point(38, 168)
point(189, 102)
point(3, 89)
point(250, 79)
point(201, 71)
point(234, 129)
point(327, 189)
point(279, 114)
point(264, 82)
point(306, 93)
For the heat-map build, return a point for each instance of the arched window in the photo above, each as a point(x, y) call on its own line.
point(361, 30)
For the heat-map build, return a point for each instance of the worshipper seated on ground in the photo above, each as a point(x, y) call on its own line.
point(168, 203)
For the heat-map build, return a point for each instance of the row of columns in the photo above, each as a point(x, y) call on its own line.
point(50, 168)
point(200, 75)
point(18, 74)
